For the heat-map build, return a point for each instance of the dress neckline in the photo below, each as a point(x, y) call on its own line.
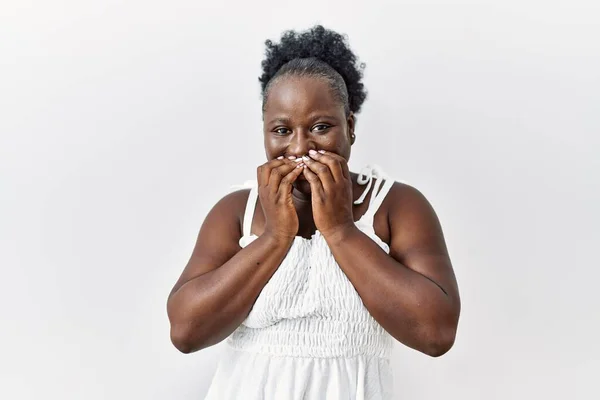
point(317, 232)
point(365, 223)
point(369, 230)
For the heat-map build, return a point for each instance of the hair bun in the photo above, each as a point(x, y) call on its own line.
point(323, 44)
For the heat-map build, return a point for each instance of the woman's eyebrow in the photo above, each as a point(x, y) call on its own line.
point(279, 120)
point(312, 118)
point(316, 117)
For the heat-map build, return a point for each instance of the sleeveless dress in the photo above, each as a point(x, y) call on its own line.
point(308, 335)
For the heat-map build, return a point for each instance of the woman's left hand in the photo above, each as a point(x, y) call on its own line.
point(331, 192)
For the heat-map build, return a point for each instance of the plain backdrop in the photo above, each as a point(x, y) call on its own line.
point(122, 123)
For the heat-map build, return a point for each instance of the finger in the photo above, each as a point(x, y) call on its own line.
point(278, 173)
point(264, 170)
point(290, 178)
point(321, 170)
point(316, 186)
point(332, 160)
point(342, 160)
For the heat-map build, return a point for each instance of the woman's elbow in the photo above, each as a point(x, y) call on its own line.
point(440, 340)
point(182, 340)
point(189, 338)
point(187, 334)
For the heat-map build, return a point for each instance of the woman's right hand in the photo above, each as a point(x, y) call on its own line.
point(275, 179)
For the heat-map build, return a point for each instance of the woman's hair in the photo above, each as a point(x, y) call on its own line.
point(317, 52)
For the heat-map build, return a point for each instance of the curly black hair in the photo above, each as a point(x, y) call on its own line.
point(316, 52)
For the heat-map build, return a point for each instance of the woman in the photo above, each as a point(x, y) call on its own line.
point(308, 273)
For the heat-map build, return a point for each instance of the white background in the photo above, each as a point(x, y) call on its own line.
point(122, 123)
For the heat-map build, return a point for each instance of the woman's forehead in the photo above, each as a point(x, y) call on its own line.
point(301, 95)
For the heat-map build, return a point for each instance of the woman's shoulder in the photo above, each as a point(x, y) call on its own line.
point(403, 198)
point(233, 203)
point(406, 219)
point(410, 212)
point(399, 190)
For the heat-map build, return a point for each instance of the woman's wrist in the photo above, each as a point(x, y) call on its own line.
point(341, 234)
point(277, 239)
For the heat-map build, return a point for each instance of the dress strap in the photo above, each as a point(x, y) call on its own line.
point(250, 205)
point(367, 175)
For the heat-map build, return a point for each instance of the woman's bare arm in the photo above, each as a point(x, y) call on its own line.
point(221, 281)
point(412, 292)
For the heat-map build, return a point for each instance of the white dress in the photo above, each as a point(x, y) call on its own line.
point(308, 335)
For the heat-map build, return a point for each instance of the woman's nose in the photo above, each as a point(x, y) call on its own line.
point(300, 144)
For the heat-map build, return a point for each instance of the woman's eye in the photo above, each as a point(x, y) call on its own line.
point(320, 127)
point(281, 131)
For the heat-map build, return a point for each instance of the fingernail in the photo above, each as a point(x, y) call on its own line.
point(280, 158)
point(298, 159)
point(305, 158)
point(299, 165)
point(312, 152)
point(322, 151)
point(292, 157)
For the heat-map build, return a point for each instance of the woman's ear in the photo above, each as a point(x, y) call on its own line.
point(351, 125)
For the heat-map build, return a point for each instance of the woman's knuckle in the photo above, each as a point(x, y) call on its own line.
point(286, 179)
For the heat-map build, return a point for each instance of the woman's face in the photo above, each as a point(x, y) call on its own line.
point(301, 114)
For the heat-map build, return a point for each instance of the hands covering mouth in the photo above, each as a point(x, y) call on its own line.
point(331, 187)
